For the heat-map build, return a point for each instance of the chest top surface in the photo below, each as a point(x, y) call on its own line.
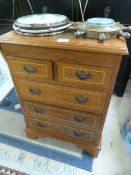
point(112, 46)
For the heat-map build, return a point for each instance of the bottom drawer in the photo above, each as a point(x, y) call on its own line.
point(44, 112)
point(90, 136)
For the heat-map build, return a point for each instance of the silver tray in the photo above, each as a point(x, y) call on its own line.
point(41, 24)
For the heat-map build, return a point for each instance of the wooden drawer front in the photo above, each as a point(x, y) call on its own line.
point(62, 96)
point(61, 55)
point(60, 114)
point(62, 129)
point(37, 70)
point(84, 76)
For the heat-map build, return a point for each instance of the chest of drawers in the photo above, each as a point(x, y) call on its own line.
point(64, 88)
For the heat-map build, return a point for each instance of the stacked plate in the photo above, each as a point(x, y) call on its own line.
point(41, 24)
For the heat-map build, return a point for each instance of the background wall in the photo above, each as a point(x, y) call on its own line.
point(6, 9)
point(120, 9)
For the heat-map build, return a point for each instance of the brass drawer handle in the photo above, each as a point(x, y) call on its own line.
point(39, 110)
point(79, 119)
point(40, 125)
point(78, 133)
point(30, 69)
point(35, 91)
point(81, 99)
point(82, 75)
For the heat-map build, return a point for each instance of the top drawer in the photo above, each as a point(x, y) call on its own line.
point(60, 55)
point(84, 76)
point(33, 69)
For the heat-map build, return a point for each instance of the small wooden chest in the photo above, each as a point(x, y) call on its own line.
point(64, 88)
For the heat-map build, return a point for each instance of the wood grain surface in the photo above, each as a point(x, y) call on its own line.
point(64, 88)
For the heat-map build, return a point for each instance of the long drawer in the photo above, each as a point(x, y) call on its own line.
point(84, 76)
point(74, 118)
point(90, 136)
point(73, 98)
point(28, 68)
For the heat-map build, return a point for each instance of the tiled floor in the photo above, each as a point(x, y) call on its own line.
point(113, 158)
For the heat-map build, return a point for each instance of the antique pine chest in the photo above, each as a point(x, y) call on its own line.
point(64, 88)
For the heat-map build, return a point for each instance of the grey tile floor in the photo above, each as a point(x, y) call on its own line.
point(113, 158)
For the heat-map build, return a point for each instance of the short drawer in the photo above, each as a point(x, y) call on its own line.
point(90, 136)
point(79, 119)
point(84, 76)
point(73, 98)
point(33, 69)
